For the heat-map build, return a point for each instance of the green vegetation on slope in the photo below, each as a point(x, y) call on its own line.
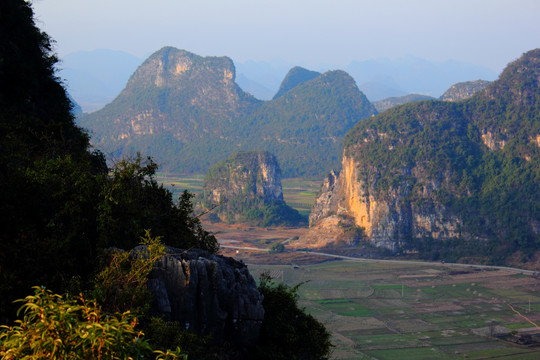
point(187, 112)
point(296, 76)
point(479, 157)
point(60, 204)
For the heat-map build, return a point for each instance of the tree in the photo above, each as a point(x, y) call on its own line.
point(59, 207)
point(133, 201)
point(287, 331)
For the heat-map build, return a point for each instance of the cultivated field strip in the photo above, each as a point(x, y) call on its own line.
point(395, 311)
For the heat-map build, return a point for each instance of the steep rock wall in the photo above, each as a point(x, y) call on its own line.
point(388, 219)
point(208, 294)
point(246, 188)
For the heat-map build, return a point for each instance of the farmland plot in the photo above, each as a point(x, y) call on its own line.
point(405, 311)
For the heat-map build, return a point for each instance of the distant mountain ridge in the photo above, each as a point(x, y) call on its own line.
point(188, 113)
point(95, 78)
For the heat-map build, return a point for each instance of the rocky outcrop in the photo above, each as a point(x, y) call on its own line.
point(208, 294)
point(464, 90)
point(388, 103)
point(387, 220)
point(252, 174)
point(246, 187)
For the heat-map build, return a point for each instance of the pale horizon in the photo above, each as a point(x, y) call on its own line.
point(489, 33)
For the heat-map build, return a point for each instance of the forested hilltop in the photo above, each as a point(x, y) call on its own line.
point(452, 180)
point(188, 113)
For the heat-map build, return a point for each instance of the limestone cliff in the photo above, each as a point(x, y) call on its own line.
point(246, 187)
point(208, 294)
point(388, 220)
point(452, 178)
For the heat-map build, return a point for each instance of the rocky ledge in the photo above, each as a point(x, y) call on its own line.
point(208, 294)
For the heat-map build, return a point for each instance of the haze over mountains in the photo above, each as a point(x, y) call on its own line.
point(95, 78)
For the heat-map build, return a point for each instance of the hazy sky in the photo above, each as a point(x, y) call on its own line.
point(307, 32)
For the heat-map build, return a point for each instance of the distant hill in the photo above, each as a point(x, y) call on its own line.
point(412, 75)
point(254, 88)
point(458, 181)
point(296, 76)
point(188, 113)
point(246, 188)
point(389, 103)
point(464, 90)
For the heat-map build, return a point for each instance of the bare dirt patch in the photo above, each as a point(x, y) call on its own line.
point(436, 307)
point(252, 234)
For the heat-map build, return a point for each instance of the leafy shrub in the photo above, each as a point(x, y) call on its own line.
point(122, 284)
point(54, 327)
point(287, 331)
point(277, 248)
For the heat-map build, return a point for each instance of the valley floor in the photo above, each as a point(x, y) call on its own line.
point(398, 309)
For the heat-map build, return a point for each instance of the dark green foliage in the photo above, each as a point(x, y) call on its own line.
point(277, 248)
point(59, 205)
point(436, 152)
point(48, 178)
point(287, 331)
point(296, 76)
point(170, 334)
point(133, 201)
point(55, 327)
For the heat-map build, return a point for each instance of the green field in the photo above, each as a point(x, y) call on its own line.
point(298, 194)
point(402, 311)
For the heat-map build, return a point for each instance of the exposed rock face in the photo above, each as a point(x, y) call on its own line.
point(245, 187)
point(208, 294)
point(252, 174)
point(388, 221)
point(390, 102)
point(464, 90)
